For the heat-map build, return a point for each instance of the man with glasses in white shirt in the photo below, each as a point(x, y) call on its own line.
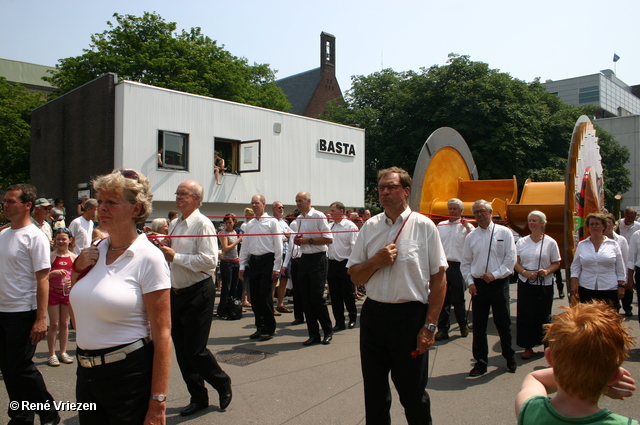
point(399, 256)
point(488, 259)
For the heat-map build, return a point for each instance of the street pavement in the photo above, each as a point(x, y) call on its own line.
point(282, 382)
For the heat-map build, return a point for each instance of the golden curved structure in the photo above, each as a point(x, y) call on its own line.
point(445, 169)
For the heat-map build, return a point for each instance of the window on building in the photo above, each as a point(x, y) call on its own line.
point(589, 94)
point(239, 156)
point(173, 150)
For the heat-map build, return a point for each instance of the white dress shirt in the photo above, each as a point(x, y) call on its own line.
point(420, 255)
point(453, 235)
point(343, 243)
point(601, 270)
point(294, 251)
point(633, 259)
point(624, 249)
point(195, 258)
point(502, 257)
point(317, 225)
point(271, 241)
point(537, 255)
point(628, 231)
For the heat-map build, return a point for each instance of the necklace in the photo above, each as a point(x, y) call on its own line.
point(119, 249)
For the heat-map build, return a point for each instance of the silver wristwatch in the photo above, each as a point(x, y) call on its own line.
point(430, 326)
point(160, 397)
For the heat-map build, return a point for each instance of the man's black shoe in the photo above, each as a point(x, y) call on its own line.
point(311, 341)
point(338, 328)
point(352, 324)
point(193, 408)
point(255, 335)
point(327, 339)
point(512, 365)
point(478, 369)
point(297, 322)
point(54, 421)
point(225, 396)
point(265, 337)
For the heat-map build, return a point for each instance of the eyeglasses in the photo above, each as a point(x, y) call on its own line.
point(11, 202)
point(391, 187)
point(183, 195)
point(130, 174)
point(480, 212)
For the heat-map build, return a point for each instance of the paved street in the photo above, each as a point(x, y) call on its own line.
point(281, 382)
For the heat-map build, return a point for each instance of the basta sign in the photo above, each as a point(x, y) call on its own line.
point(336, 148)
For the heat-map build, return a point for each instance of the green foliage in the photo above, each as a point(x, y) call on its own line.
point(148, 49)
point(512, 127)
point(16, 104)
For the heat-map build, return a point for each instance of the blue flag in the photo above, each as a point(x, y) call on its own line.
point(616, 58)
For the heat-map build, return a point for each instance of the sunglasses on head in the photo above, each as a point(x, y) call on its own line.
point(63, 230)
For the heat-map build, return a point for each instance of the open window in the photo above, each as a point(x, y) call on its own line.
point(173, 150)
point(239, 157)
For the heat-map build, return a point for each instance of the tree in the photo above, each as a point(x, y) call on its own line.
point(16, 104)
point(147, 49)
point(512, 127)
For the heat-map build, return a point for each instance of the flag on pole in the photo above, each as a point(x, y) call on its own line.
point(616, 58)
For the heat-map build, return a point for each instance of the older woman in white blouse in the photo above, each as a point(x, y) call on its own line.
point(538, 259)
point(598, 269)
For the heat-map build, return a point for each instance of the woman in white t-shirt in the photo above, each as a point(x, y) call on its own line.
point(119, 298)
point(538, 259)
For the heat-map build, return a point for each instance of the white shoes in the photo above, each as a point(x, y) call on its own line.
point(65, 358)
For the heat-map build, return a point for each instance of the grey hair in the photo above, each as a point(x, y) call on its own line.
point(484, 203)
point(540, 215)
point(456, 201)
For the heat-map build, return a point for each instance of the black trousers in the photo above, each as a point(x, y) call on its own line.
point(341, 289)
point(454, 297)
point(191, 313)
point(121, 390)
point(21, 377)
point(587, 295)
point(298, 312)
point(534, 310)
point(312, 275)
point(491, 296)
point(260, 270)
point(388, 335)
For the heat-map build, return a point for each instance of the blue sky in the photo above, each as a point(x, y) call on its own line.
point(546, 39)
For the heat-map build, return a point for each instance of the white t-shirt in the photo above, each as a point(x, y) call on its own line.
point(537, 255)
point(108, 303)
point(81, 230)
point(23, 252)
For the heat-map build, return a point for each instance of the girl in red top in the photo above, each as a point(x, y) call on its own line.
point(61, 263)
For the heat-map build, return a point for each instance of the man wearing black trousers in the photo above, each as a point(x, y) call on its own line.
point(399, 256)
point(340, 285)
point(488, 259)
point(193, 263)
point(263, 256)
point(312, 238)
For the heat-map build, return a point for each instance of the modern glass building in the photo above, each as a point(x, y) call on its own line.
point(605, 90)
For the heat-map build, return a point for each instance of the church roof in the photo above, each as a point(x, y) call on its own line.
point(299, 89)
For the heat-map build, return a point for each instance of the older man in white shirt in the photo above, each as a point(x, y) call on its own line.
point(262, 253)
point(488, 259)
point(399, 256)
point(453, 233)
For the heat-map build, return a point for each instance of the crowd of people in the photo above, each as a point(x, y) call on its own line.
point(132, 290)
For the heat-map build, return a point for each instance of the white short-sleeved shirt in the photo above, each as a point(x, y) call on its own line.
point(315, 222)
point(420, 255)
point(453, 235)
point(108, 302)
point(81, 229)
point(23, 252)
point(343, 240)
point(537, 255)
